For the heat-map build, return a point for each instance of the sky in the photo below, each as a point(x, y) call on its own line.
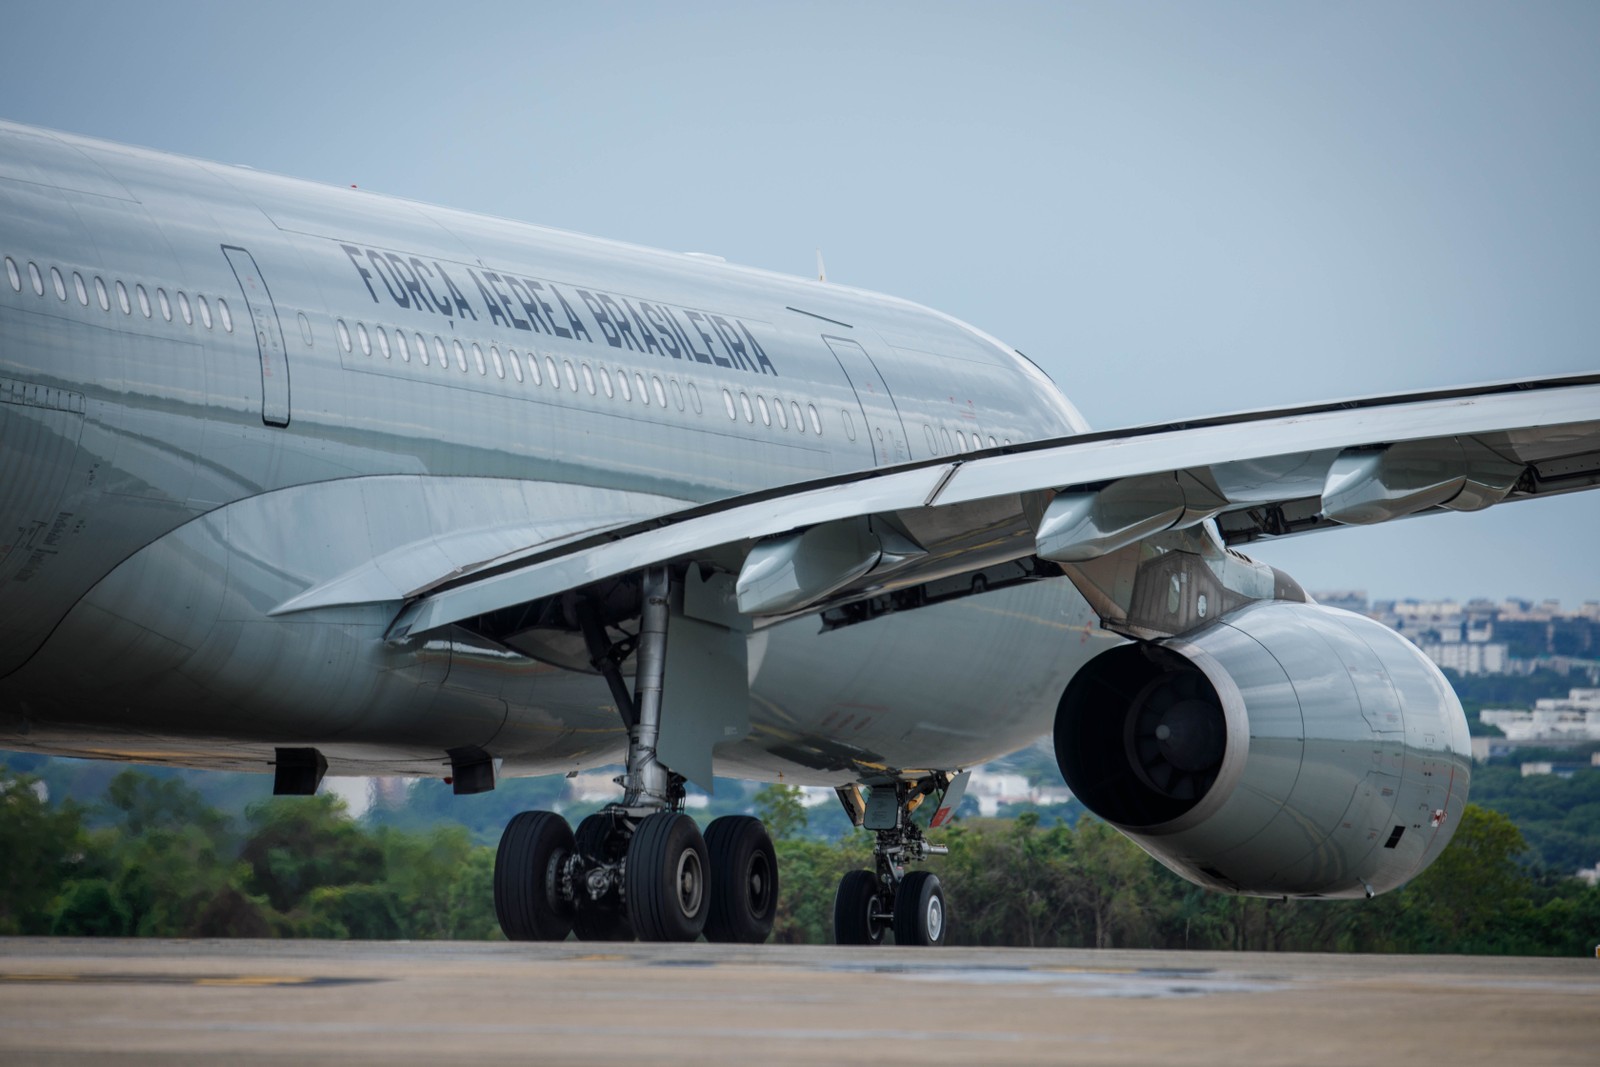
point(1177, 209)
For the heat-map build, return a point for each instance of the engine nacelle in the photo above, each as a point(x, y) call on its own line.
point(1284, 750)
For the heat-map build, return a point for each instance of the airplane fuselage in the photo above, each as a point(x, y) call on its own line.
point(218, 388)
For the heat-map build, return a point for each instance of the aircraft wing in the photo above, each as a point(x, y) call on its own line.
point(817, 545)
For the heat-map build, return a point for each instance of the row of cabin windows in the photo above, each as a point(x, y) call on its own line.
point(595, 380)
point(376, 342)
point(126, 301)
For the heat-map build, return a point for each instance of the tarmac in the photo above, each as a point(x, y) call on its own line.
point(250, 1002)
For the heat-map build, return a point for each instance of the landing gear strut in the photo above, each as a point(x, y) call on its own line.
point(869, 904)
point(640, 867)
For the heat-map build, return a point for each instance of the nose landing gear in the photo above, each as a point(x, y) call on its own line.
point(869, 904)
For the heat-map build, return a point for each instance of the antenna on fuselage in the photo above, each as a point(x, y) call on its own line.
point(822, 272)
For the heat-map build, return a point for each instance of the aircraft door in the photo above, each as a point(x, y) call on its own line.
point(269, 337)
point(878, 410)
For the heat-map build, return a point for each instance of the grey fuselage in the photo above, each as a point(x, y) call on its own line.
point(219, 388)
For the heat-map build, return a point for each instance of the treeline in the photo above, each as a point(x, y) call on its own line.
point(1017, 882)
point(153, 858)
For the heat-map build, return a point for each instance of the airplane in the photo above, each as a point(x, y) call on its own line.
point(303, 479)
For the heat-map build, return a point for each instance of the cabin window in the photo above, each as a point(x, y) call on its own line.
point(624, 386)
point(727, 403)
point(461, 355)
point(588, 379)
point(101, 295)
point(364, 339)
point(226, 317)
point(383, 341)
point(945, 433)
point(992, 441)
point(605, 383)
point(778, 410)
point(166, 305)
point(799, 421)
point(533, 369)
point(305, 324)
point(516, 363)
point(401, 346)
point(144, 300)
point(694, 399)
point(477, 359)
point(660, 390)
point(571, 375)
point(205, 312)
point(816, 420)
point(59, 282)
point(849, 424)
point(677, 393)
point(761, 406)
point(642, 389)
point(122, 299)
point(552, 372)
point(183, 303)
point(36, 278)
point(81, 289)
point(12, 276)
point(440, 354)
point(499, 367)
point(933, 445)
point(343, 332)
point(422, 349)
point(744, 406)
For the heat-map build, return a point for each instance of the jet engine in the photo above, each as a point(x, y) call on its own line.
point(1285, 749)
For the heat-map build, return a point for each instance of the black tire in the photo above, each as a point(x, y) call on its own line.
point(920, 917)
point(603, 919)
point(667, 889)
point(859, 898)
point(744, 881)
point(527, 878)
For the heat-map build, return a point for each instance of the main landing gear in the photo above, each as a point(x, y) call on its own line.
point(639, 868)
point(870, 904)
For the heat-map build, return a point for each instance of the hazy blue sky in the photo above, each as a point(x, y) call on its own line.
point(1176, 209)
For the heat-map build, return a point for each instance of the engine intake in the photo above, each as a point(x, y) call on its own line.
point(1284, 750)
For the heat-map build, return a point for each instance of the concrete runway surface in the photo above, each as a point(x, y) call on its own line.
point(69, 1000)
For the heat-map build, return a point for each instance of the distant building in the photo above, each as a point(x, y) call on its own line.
point(1575, 717)
point(1463, 657)
point(1485, 637)
point(992, 791)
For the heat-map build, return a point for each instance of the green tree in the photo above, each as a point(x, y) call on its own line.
point(298, 844)
point(171, 860)
point(42, 846)
point(781, 809)
point(432, 879)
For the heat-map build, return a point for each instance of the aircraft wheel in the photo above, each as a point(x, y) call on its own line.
point(527, 877)
point(855, 910)
point(603, 919)
point(919, 913)
point(744, 880)
point(667, 888)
